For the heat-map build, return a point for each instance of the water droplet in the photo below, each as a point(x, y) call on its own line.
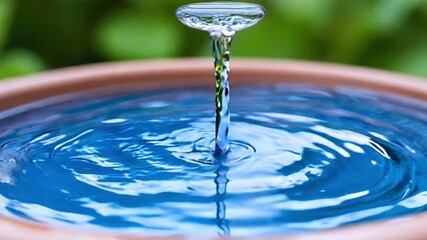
point(221, 20)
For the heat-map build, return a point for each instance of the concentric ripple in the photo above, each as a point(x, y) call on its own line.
point(302, 158)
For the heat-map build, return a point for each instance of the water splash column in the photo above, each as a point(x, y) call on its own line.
point(221, 52)
point(222, 20)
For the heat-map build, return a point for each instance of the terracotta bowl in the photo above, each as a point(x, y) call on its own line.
point(114, 77)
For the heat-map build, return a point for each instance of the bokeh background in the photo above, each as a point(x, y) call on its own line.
point(36, 35)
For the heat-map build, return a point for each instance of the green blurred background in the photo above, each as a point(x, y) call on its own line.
point(37, 35)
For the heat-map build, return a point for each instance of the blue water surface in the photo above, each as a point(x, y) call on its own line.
point(302, 158)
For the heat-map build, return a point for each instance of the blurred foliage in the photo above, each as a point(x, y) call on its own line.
point(20, 62)
point(42, 34)
point(6, 9)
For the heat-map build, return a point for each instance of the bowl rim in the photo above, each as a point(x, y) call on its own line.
point(146, 75)
point(181, 73)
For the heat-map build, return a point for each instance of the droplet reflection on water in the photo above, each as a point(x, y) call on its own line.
point(301, 159)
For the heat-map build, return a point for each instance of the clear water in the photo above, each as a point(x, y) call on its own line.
point(301, 159)
point(222, 20)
